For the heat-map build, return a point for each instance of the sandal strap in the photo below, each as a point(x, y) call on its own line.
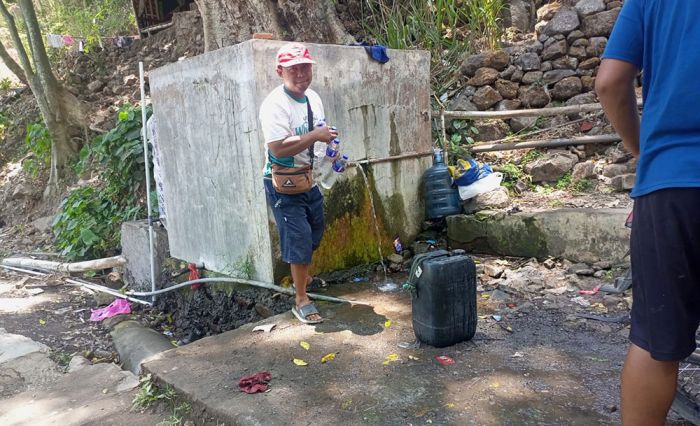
point(307, 310)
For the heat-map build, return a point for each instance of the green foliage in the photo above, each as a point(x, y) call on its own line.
point(177, 416)
point(89, 19)
point(567, 182)
point(564, 181)
point(150, 393)
point(484, 19)
point(88, 224)
point(531, 156)
point(61, 358)
point(5, 84)
point(243, 268)
point(89, 219)
point(460, 135)
point(5, 123)
point(446, 28)
point(581, 185)
point(511, 174)
point(38, 142)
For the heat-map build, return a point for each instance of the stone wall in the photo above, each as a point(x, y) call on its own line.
point(556, 65)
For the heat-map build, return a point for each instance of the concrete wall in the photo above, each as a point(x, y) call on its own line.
point(213, 153)
point(137, 251)
point(580, 235)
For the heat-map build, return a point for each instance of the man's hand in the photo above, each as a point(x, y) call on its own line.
point(615, 88)
point(293, 145)
point(323, 134)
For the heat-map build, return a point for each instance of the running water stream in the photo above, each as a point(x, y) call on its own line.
point(387, 285)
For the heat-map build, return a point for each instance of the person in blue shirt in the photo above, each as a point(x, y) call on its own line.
point(660, 38)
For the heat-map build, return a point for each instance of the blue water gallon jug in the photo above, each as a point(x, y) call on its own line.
point(441, 198)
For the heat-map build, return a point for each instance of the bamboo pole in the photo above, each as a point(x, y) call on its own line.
point(90, 265)
point(552, 143)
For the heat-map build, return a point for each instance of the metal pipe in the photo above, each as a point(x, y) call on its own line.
point(107, 290)
point(390, 158)
point(553, 143)
point(86, 284)
point(148, 179)
point(260, 284)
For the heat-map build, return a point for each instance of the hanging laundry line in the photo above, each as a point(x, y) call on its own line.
point(58, 41)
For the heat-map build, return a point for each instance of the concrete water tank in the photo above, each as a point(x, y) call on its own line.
point(212, 153)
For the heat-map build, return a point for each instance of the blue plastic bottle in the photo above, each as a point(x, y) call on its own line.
point(333, 148)
point(340, 164)
point(441, 198)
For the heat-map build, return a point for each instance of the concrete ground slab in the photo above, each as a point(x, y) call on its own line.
point(99, 394)
point(24, 364)
point(541, 373)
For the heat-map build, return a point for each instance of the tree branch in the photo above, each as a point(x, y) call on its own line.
point(12, 64)
point(19, 46)
point(36, 44)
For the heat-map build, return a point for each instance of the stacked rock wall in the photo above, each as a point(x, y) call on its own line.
point(555, 66)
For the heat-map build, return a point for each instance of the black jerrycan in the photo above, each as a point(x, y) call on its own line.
point(444, 297)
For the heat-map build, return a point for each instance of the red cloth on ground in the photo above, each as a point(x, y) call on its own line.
point(255, 383)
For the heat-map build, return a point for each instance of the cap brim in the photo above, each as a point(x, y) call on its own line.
point(297, 61)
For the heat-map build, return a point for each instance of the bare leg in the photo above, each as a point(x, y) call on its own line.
point(300, 276)
point(648, 388)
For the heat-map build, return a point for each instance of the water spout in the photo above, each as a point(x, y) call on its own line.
point(374, 216)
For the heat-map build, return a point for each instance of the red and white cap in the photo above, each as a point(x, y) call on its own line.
point(292, 54)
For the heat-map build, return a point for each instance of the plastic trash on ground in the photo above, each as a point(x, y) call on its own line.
point(118, 307)
point(481, 186)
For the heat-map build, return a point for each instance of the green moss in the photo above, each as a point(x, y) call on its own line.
point(350, 238)
point(518, 236)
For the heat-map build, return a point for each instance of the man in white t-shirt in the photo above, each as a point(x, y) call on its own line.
point(289, 141)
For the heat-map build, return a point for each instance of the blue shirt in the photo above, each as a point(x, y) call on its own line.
point(662, 38)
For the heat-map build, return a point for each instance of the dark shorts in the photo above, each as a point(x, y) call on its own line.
point(665, 251)
point(299, 220)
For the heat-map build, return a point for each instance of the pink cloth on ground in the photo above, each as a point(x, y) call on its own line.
point(119, 306)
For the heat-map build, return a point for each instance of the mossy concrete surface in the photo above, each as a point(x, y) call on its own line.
point(579, 235)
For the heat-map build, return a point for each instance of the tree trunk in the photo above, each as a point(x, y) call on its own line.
point(61, 111)
point(228, 22)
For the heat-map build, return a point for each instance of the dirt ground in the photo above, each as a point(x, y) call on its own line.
point(533, 360)
point(533, 350)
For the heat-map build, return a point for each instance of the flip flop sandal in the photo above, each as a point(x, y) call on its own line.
point(315, 285)
point(303, 312)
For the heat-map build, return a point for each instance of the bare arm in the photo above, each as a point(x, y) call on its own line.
point(615, 88)
point(293, 145)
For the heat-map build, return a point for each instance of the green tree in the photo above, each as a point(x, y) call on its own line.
point(61, 111)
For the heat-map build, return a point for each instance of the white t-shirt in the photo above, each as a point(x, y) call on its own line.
point(282, 116)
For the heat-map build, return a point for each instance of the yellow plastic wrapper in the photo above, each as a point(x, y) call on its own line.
point(300, 362)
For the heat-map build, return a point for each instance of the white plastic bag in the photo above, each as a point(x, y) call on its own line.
point(485, 184)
